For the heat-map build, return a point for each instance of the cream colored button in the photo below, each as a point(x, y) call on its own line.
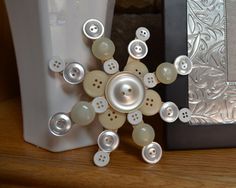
point(152, 103)
point(112, 119)
point(135, 118)
point(100, 104)
point(95, 82)
point(150, 80)
point(137, 68)
point(111, 66)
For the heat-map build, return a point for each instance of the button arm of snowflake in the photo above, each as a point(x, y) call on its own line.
point(120, 95)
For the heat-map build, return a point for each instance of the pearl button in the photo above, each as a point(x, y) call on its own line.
point(101, 159)
point(183, 65)
point(166, 73)
point(137, 49)
point(93, 29)
point(125, 92)
point(108, 141)
point(56, 64)
point(152, 153)
point(83, 113)
point(143, 134)
point(103, 49)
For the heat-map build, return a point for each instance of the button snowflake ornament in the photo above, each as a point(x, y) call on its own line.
point(119, 95)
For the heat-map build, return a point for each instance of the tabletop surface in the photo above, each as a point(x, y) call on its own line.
point(23, 164)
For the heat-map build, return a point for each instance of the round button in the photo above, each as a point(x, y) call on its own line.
point(111, 66)
point(125, 92)
point(166, 73)
point(60, 124)
point(100, 104)
point(151, 104)
point(82, 113)
point(169, 112)
point(112, 119)
point(56, 64)
point(74, 73)
point(135, 118)
point(137, 49)
point(93, 29)
point(150, 80)
point(103, 49)
point(142, 33)
point(101, 159)
point(108, 141)
point(95, 82)
point(152, 153)
point(143, 134)
point(185, 115)
point(137, 68)
point(183, 65)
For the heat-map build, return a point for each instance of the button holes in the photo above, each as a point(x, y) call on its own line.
point(104, 157)
point(73, 74)
point(100, 82)
point(147, 104)
point(136, 70)
point(151, 105)
point(132, 116)
point(103, 160)
point(136, 115)
point(152, 100)
point(148, 99)
point(111, 119)
point(98, 87)
point(113, 67)
point(139, 73)
point(129, 90)
point(96, 80)
point(113, 112)
point(116, 117)
point(94, 85)
point(109, 115)
point(100, 156)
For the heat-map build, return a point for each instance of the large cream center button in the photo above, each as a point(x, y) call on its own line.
point(125, 92)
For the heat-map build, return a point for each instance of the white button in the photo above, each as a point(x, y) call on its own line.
point(183, 65)
point(150, 80)
point(56, 64)
point(137, 68)
point(111, 66)
point(142, 33)
point(112, 119)
point(95, 82)
point(74, 73)
point(100, 104)
point(169, 112)
point(185, 115)
point(152, 153)
point(151, 104)
point(93, 29)
point(101, 159)
point(108, 141)
point(135, 118)
point(59, 124)
point(137, 49)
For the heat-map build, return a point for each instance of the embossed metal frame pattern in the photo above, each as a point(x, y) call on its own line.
point(211, 99)
point(180, 135)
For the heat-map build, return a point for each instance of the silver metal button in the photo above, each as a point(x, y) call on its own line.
point(137, 49)
point(100, 104)
point(185, 115)
point(74, 73)
point(93, 29)
point(101, 159)
point(169, 112)
point(111, 66)
point(59, 124)
point(108, 141)
point(56, 64)
point(152, 153)
point(125, 92)
point(183, 65)
point(135, 118)
point(142, 33)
